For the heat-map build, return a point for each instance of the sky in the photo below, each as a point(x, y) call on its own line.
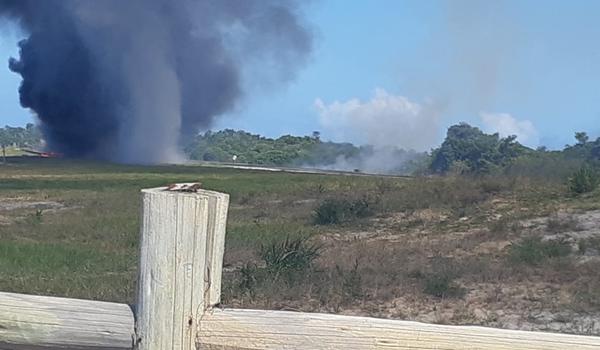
point(399, 72)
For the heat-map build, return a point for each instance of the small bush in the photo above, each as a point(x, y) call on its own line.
point(338, 210)
point(351, 282)
point(248, 278)
point(35, 218)
point(441, 285)
point(583, 181)
point(439, 282)
point(328, 212)
point(534, 251)
point(495, 185)
point(290, 255)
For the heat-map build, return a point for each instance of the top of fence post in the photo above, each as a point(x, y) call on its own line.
point(181, 257)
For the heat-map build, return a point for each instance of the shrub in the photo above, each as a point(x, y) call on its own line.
point(248, 278)
point(329, 212)
point(439, 282)
point(360, 208)
point(442, 285)
point(290, 255)
point(497, 184)
point(338, 210)
point(583, 181)
point(35, 218)
point(533, 251)
point(351, 282)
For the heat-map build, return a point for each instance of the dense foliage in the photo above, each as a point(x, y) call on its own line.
point(307, 151)
point(28, 136)
point(467, 149)
point(584, 149)
point(224, 145)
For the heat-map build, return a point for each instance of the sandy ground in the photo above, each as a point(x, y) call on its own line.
point(541, 303)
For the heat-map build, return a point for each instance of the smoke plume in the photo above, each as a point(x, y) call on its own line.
point(383, 121)
point(507, 125)
point(396, 129)
point(126, 80)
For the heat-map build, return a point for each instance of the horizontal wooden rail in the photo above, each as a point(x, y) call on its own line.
point(29, 322)
point(260, 329)
point(34, 322)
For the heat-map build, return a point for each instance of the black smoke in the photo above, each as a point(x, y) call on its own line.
point(127, 80)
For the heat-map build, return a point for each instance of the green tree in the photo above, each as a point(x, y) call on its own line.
point(583, 181)
point(582, 137)
point(287, 150)
point(30, 136)
point(474, 150)
point(595, 150)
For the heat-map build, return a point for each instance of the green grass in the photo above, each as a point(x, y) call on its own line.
point(89, 248)
point(65, 270)
point(12, 152)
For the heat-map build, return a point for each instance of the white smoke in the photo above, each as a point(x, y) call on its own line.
point(385, 120)
point(385, 160)
point(395, 127)
point(507, 125)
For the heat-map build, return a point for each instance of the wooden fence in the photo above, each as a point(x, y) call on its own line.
point(182, 241)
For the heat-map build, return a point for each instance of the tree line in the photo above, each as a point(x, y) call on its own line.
point(29, 136)
point(305, 151)
point(465, 150)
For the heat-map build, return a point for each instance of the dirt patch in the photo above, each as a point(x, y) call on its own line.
point(492, 247)
point(13, 209)
point(15, 204)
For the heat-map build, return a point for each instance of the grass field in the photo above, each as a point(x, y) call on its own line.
point(499, 251)
point(12, 152)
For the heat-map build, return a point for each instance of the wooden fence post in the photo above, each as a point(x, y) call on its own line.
point(182, 243)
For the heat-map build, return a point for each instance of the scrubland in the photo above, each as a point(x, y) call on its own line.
point(511, 250)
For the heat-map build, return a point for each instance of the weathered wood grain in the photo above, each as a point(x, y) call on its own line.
point(218, 206)
point(180, 239)
point(260, 329)
point(38, 322)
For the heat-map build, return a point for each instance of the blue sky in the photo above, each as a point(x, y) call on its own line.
point(403, 71)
